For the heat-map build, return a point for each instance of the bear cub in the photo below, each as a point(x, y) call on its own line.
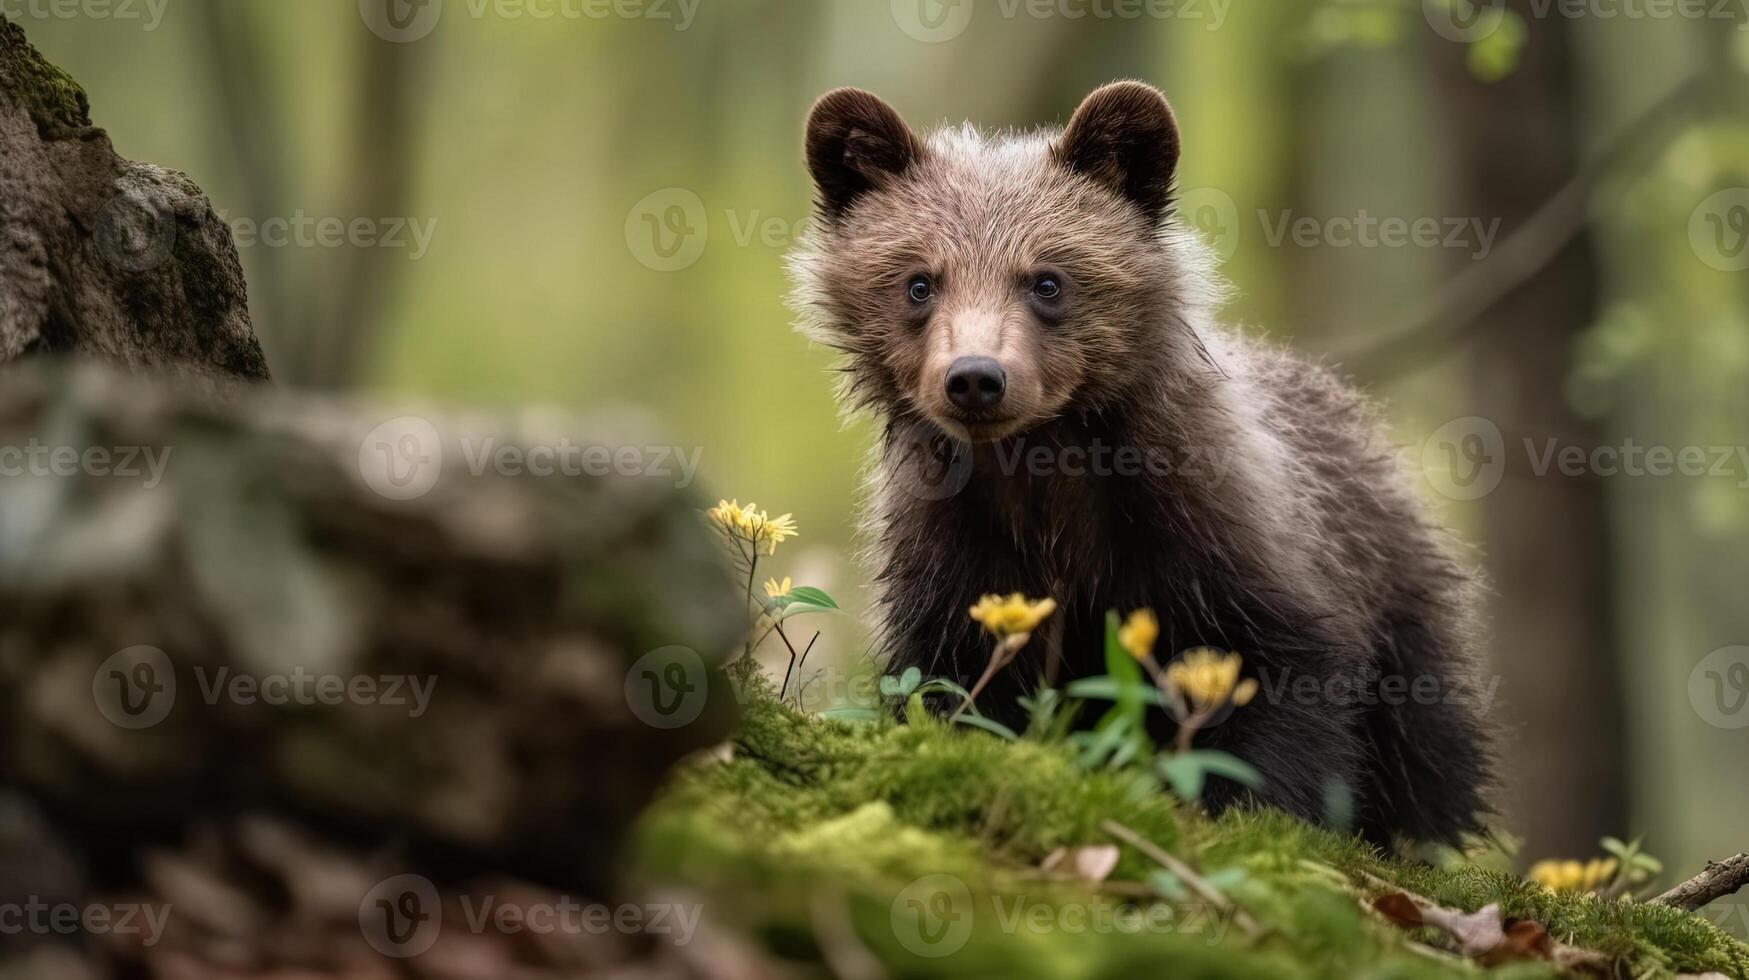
point(1062, 414)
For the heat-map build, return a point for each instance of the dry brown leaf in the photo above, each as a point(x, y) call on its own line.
point(1092, 863)
point(1482, 934)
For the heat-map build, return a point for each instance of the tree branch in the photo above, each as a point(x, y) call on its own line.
point(1720, 878)
point(1459, 304)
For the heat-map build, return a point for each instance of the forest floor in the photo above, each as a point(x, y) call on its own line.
point(879, 849)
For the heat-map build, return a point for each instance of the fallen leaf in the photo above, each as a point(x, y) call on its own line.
point(1093, 863)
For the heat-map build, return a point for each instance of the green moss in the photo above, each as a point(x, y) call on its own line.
point(55, 102)
point(866, 826)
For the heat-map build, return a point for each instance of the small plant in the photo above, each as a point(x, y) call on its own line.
point(1626, 869)
point(749, 531)
point(1196, 690)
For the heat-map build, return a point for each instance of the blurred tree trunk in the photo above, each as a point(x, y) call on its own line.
point(320, 309)
point(1545, 538)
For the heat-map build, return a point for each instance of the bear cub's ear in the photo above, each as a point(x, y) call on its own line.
point(856, 142)
point(1125, 137)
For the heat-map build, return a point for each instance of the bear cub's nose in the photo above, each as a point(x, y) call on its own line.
point(976, 383)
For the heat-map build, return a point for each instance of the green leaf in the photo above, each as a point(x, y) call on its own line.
point(901, 685)
point(1104, 688)
point(1228, 766)
point(909, 680)
point(979, 721)
point(1184, 774)
point(1169, 886)
point(938, 685)
point(794, 608)
point(1187, 771)
point(812, 596)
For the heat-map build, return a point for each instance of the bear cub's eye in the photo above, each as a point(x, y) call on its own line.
point(920, 289)
point(1047, 286)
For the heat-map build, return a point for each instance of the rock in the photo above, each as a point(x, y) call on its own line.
point(240, 628)
point(103, 257)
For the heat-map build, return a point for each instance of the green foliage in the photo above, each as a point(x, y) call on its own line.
point(814, 815)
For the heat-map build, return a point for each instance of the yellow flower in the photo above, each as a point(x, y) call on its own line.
point(1573, 876)
point(1138, 633)
point(1015, 614)
point(774, 590)
point(1208, 678)
point(751, 524)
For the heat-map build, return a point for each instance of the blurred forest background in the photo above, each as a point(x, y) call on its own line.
point(605, 203)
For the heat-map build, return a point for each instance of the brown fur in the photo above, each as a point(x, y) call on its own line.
point(1270, 516)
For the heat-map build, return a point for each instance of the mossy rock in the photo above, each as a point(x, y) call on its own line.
point(919, 847)
point(50, 95)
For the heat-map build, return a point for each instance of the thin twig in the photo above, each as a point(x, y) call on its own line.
point(1720, 878)
point(1195, 882)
